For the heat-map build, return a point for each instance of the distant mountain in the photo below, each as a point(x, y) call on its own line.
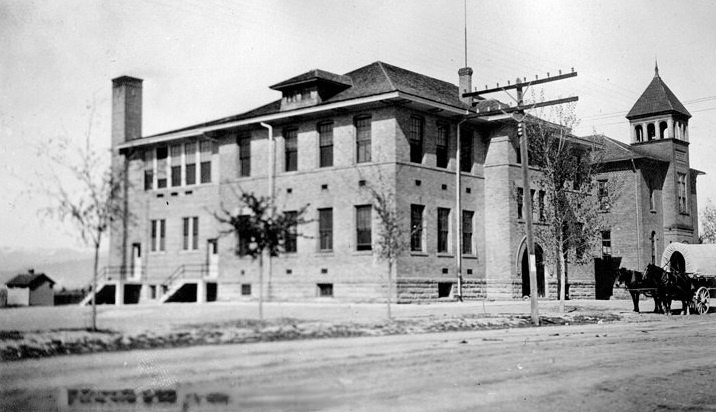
point(70, 268)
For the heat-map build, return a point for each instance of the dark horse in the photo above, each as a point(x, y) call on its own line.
point(638, 283)
point(672, 286)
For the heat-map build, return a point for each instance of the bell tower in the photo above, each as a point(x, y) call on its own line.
point(659, 126)
point(658, 114)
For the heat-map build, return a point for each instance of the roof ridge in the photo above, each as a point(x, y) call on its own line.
point(387, 76)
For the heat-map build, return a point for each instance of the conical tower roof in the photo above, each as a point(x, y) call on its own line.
point(657, 99)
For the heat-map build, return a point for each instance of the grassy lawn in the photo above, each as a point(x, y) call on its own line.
point(42, 332)
point(158, 318)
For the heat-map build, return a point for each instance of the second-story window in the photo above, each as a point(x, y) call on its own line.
point(520, 200)
point(190, 162)
point(683, 204)
point(162, 154)
point(244, 143)
point(415, 135)
point(148, 169)
point(178, 165)
point(652, 200)
point(175, 160)
point(325, 144)
point(363, 139)
point(205, 149)
point(466, 151)
point(290, 150)
point(603, 195)
point(441, 145)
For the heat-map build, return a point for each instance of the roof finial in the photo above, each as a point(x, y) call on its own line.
point(656, 67)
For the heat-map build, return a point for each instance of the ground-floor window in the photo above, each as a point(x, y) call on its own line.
point(246, 289)
point(443, 229)
point(190, 233)
point(158, 235)
point(363, 227)
point(416, 228)
point(606, 243)
point(467, 232)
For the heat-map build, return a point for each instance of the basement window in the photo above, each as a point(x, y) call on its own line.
point(246, 289)
point(325, 289)
point(444, 289)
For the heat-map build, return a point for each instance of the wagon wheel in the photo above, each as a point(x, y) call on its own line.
point(701, 300)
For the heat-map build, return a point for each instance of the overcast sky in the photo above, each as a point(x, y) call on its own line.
point(205, 59)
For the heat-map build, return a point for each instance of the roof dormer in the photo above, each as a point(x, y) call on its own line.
point(310, 88)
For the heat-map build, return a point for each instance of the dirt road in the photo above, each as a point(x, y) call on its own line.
point(667, 364)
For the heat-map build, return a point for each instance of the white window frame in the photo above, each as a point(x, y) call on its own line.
point(192, 243)
point(182, 164)
point(155, 243)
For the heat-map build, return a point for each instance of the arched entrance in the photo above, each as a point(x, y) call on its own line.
point(526, 272)
point(677, 262)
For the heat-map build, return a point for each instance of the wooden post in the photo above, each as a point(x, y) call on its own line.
point(527, 205)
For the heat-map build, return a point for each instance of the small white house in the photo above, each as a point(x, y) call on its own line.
point(30, 289)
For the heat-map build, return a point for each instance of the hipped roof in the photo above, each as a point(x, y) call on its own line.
point(374, 79)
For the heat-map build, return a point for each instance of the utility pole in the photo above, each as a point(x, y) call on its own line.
point(527, 203)
point(458, 212)
point(519, 116)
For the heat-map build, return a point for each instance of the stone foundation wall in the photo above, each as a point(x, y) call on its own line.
point(581, 289)
point(425, 290)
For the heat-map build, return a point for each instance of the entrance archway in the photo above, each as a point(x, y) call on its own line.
point(677, 262)
point(526, 272)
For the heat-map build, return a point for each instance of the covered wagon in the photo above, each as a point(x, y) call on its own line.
point(698, 262)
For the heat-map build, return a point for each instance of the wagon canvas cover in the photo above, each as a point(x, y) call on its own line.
point(698, 259)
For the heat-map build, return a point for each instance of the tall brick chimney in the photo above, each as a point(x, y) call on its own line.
point(465, 83)
point(126, 109)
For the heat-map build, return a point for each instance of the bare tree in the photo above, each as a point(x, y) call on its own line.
point(393, 239)
point(708, 223)
point(569, 205)
point(262, 230)
point(85, 191)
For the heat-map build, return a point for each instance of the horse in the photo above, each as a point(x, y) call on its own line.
point(638, 283)
point(672, 286)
